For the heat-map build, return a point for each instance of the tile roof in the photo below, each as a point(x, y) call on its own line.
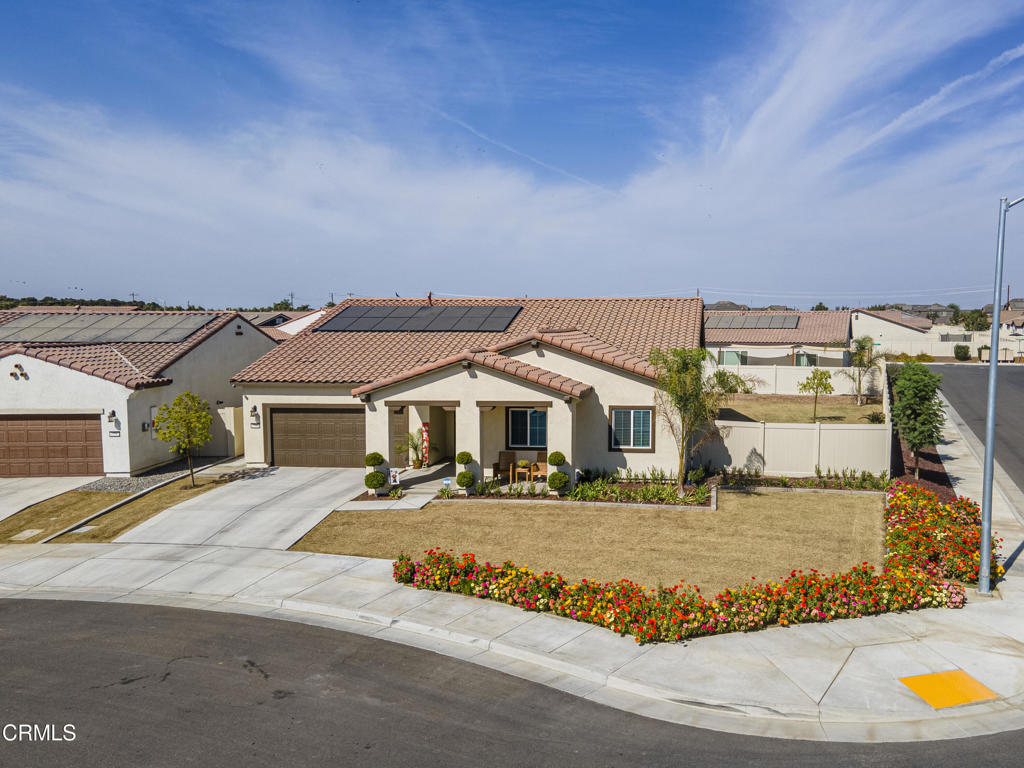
point(135, 365)
point(633, 326)
point(88, 308)
point(495, 361)
point(586, 345)
point(821, 327)
point(899, 317)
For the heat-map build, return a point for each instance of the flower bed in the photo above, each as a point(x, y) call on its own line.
point(619, 491)
point(933, 547)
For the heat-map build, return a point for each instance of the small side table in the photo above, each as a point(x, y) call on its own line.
point(523, 471)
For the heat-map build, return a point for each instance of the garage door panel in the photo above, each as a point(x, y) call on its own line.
point(50, 445)
point(318, 437)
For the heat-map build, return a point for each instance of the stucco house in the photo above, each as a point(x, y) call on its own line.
point(763, 337)
point(82, 387)
point(483, 375)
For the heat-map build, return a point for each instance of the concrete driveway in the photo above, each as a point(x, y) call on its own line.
point(16, 493)
point(272, 509)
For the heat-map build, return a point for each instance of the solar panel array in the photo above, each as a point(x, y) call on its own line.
point(65, 328)
point(493, 318)
point(751, 321)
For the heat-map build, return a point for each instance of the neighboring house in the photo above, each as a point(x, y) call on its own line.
point(1013, 305)
point(724, 306)
point(896, 331)
point(274, 318)
point(483, 375)
point(82, 387)
point(754, 337)
point(1011, 321)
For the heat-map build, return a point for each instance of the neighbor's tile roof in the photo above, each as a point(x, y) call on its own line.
point(900, 317)
point(633, 326)
point(135, 365)
point(495, 361)
point(76, 308)
point(822, 327)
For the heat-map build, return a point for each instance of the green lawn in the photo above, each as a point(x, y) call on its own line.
point(797, 409)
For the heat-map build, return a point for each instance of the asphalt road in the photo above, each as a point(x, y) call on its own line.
point(966, 388)
point(157, 686)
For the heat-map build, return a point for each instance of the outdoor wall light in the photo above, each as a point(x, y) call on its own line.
point(253, 412)
point(112, 415)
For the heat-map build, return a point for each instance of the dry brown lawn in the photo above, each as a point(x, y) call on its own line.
point(798, 409)
point(124, 518)
point(763, 534)
point(52, 515)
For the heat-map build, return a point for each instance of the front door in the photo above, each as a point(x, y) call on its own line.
point(398, 431)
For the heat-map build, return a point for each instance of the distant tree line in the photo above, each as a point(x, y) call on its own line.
point(9, 302)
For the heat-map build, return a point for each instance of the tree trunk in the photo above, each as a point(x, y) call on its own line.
point(684, 456)
point(917, 470)
point(860, 388)
point(191, 473)
point(814, 416)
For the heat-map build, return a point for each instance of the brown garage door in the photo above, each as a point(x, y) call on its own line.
point(318, 437)
point(36, 446)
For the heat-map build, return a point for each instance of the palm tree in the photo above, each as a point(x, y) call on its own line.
point(863, 359)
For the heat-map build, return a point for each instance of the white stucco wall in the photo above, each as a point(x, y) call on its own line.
point(781, 354)
point(54, 389)
point(205, 371)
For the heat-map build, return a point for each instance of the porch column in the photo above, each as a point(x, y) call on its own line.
point(377, 433)
point(467, 436)
point(562, 434)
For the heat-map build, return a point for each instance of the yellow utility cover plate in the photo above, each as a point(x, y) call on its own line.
point(948, 689)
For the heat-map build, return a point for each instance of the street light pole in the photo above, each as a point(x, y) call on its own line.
point(985, 569)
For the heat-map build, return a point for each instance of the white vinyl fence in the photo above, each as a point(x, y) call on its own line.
point(786, 379)
point(796, 450)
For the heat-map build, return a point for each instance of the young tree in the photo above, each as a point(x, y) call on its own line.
point(687, 400)
point(956, 316)
point(864, 359)
point(975, 320)
point(916, 411)
point(818, 383)
point(185, 424)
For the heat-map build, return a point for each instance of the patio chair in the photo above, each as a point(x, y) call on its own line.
point(503, 466)
point(540, 466)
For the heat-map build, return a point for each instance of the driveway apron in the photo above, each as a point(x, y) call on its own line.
point(271, 510)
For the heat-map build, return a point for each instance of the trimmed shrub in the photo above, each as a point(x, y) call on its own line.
point(556, 459)
point(464, 458)
point(924, 357)
point(465, 479)
point(962, 352)
point(375, 480)
point(558, 481)
point(373, 459)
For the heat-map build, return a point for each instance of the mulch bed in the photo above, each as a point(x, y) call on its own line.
point(933, 474)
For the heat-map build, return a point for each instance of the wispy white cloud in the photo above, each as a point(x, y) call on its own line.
point(826, 167)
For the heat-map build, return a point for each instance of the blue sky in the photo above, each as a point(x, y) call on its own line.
point(231, 153)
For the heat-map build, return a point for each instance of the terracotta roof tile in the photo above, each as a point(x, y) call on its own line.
point(821, 327)
point(135, 365)
point(628, 327)
point(495, 361)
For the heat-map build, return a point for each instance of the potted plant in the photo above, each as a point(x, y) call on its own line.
point(557, 483)
point(413, 443)
point(375, 481)
point(465, 480)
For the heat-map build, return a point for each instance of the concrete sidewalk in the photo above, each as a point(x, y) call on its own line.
point(838, 681)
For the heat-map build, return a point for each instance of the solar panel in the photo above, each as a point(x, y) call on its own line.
point(435, 319)
point(790, 321)
point(101, 328)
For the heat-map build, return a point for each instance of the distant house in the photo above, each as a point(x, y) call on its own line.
point(724, 306)
point(83, 386)
point(755, 337)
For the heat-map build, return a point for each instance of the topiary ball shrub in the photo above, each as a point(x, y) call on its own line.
point(373, 459)
point(464, 458)
point(962, 352)
point(375, 480)
point(556, 459)
point(465, 479)
point(558, 481)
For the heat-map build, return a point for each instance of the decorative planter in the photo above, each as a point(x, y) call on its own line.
point(417, 464)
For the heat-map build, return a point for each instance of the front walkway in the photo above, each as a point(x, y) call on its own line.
point(835, 682)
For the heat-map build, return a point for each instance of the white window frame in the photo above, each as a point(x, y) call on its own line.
point(529, 412)
point(616, 445)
